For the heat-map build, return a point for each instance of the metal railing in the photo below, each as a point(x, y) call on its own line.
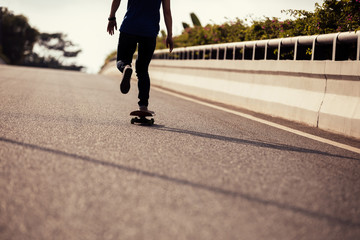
point(343, 46)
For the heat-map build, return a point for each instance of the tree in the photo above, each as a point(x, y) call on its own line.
point(185, 25)
point(332, 16)
point(18, 37)
point(329, 17)
point(55, 49)
point(195, 20)
point(18, 40)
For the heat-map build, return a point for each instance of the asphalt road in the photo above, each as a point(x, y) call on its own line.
point(73, 167)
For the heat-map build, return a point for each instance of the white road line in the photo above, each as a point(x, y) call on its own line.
point(288, 129)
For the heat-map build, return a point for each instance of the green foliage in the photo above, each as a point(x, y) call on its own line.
point(339, 15)
point(195, 20)
point(109, 58)
point(210, 34)
point(332, 16)
point(18, 36)
point(58, 42)
point(185, 25)
point(19, 39)
point(55, 49)
point(329, 17)
point(269, 29)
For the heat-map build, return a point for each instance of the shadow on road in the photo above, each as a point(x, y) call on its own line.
point(256, 143)
point(184, 182)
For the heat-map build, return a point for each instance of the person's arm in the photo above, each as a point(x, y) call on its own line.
point(168, 23)
point(112, 20)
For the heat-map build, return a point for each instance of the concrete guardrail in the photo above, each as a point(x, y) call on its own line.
point(277, 77)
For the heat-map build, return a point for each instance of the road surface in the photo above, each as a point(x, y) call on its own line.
point(73, 167)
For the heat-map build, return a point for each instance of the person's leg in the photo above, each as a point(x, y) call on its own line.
point(125, 51)
point(145, 52)
point(126, 48)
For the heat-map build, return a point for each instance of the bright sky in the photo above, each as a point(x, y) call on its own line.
point(85, 21)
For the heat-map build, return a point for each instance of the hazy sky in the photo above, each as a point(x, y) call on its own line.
point(85, 21)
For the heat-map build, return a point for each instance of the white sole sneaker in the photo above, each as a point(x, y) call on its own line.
point(125, 82)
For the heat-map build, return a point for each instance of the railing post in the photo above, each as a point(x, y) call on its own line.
point(334, 47)
point(358, 46)
point(266, 47)
point(243, 55)
point(279, 49)
point(296, 42)
point(313, 49)
point(254, 50)
point(296, 48)
point(234, 52)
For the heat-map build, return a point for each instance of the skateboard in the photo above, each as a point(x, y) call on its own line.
point(140, 117)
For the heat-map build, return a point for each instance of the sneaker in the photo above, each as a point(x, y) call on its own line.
point(125, 82)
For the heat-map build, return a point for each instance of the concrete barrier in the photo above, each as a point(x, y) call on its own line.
point(321, 91)
point(340, 110)
point(267, 87)
point(324, 94)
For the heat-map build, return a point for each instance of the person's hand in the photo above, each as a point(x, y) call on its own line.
point(170, 43)
point(111, 25)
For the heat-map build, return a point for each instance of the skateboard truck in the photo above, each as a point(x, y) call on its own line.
point(140, 117)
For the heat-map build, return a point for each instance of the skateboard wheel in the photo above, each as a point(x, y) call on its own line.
point(132, 121)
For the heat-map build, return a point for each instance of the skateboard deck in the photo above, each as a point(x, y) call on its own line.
point(141, 117)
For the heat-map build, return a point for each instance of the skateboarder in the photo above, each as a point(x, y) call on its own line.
point(139, 27)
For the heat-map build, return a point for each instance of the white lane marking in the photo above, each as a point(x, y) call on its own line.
point(288, 129)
